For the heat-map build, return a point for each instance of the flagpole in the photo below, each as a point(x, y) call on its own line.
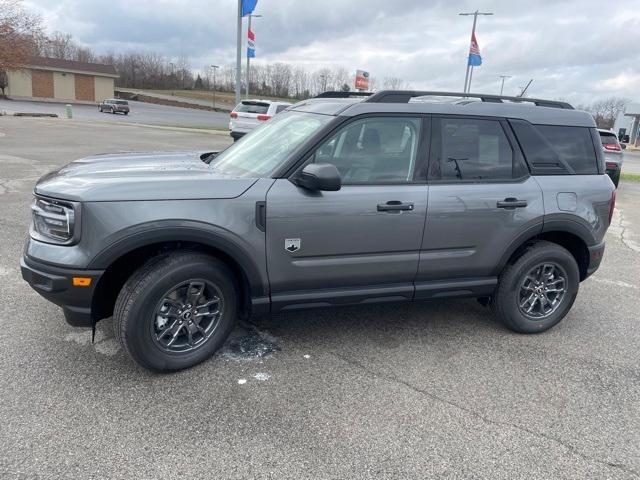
point(467, 79)
point(248, 57)
point(239, 53)
point(470, 78)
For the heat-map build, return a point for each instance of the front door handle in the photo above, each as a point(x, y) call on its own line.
point(511, 203)
point(394, 206)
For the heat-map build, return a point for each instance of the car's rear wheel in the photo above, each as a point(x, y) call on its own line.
point(536, 291)
point(176, 311)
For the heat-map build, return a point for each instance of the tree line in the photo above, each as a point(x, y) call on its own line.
point(149, 70)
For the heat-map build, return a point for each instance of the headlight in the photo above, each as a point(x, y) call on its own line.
point(55, 221)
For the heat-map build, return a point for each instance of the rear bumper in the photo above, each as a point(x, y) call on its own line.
point(56, 285)
point(596, 252)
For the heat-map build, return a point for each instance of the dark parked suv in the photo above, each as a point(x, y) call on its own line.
point(398, 196)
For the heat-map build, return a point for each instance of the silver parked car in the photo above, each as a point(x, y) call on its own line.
point(336, 201)
point(113, 105)
point(613, 155)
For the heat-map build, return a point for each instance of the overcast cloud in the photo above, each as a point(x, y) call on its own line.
point(576, 50)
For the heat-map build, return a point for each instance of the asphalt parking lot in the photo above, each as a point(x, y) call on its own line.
point(425, 390)
point(143, 113)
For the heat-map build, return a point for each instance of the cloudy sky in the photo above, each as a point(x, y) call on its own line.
point(579, 50)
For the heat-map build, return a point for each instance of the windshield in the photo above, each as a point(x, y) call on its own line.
point(265, 149)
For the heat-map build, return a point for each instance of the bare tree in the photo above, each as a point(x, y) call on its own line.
point(607, 110)
point(395, 83)
point(18, 30)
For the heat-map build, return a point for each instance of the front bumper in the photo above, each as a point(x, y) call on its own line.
point(596, 252)
point(56, 285)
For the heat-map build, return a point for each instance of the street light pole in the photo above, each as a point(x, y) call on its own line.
point(248, 58)
point(467, 77)
point(503, 77)
point(214, 67)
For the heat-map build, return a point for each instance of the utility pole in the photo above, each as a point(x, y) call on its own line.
point(524, 90)
point(214, 68)
point(251, 15)
point(173, 66)
point(239, 52)
point(503, 77)
point(467, 77)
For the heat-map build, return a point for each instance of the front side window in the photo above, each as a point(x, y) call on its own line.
point(374, 150)
point(468, 149)
point(260, 153)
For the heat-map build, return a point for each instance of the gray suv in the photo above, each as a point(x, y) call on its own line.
point(398, 196)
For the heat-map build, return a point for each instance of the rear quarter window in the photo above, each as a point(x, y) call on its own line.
point(556, 149)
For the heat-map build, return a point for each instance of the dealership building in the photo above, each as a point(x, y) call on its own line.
point(62, 80)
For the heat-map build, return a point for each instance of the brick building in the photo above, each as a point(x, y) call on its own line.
point(64, 80)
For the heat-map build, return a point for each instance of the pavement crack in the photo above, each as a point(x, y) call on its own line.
point(620, 230)
point(570, 448)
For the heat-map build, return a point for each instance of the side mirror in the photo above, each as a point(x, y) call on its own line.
point(319, 176)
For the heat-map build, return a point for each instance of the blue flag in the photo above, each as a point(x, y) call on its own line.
point(475, 60)
point(248, 6)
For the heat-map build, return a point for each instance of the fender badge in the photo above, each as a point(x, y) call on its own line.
point(292, 244)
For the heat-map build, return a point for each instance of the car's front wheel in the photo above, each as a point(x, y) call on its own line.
point(176, 311)
point(536, 291)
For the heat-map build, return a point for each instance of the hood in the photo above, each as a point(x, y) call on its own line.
point(140, 176)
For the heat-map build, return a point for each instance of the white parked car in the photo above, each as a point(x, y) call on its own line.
point(250, 114)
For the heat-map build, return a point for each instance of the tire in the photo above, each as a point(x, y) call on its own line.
point(113, 111)
point(511, 290)
point(136, 313)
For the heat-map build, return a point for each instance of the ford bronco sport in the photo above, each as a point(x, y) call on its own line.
point(396, 196)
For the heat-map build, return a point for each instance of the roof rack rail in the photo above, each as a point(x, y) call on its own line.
point(343, 94)
point(404, 96)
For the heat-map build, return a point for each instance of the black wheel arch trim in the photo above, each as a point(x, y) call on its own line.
point(552, 223)
point(208, 235)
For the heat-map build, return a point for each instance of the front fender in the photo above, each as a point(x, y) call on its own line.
point(188, 231)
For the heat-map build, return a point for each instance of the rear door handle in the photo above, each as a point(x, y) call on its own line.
point(511, 203)
point(394, 206)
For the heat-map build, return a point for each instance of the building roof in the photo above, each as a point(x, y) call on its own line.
point(72, 66)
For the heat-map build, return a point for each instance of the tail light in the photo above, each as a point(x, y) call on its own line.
point(612, 206)
point(264, 118)
point(611, 166)
point(233, 115)
point(612, 147)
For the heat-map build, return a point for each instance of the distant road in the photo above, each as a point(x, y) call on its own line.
point(145, 113)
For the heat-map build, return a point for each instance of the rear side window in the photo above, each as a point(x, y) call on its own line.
point(280, 108)
point(470, 149)
point(557, 150)
point(253, 107)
